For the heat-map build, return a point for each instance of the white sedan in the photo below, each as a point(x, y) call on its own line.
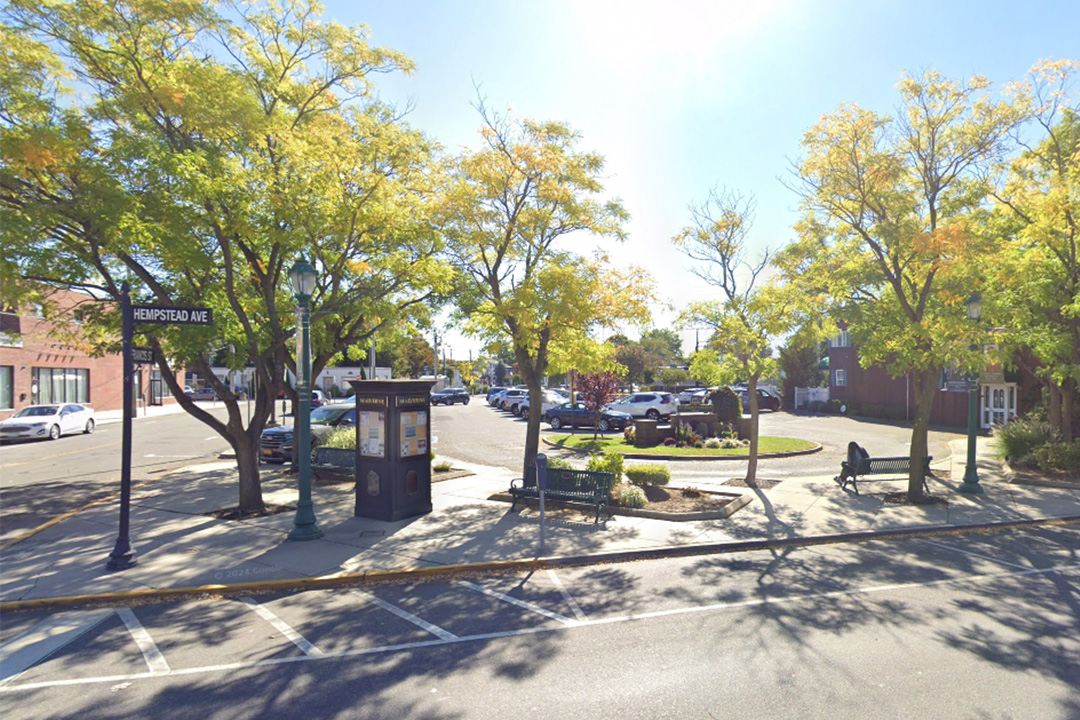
point(47, 421)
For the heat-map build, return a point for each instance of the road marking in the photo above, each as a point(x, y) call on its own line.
point(44, 639)
point(406, 615)
point(38, 461)
point(357, 652)
point(972, 554)
point(520, 603)
point(578, 612)
point(282, 627)
point(152, 455)
point(154, 659)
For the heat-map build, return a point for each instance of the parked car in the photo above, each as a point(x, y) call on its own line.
point(494, 390)
point(201, 394)
point(509, 400)
point(47, 421)
point(766, 400)
point(449, 396)
point(575, 415)
point(550, 400)
point(652, 405)
point(276, 443)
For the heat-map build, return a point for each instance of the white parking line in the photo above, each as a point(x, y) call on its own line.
point(448, 638)
point(282, 627)
point(977, 555)
point(406, 615)
point(578, 612)
point(520, 603)
point(154, 659)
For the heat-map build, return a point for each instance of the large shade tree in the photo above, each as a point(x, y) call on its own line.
point(511, 207)
point(893, 227)
point(197, 151)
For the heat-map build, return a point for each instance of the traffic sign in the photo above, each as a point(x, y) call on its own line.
point(156, 314)
point(142, 355)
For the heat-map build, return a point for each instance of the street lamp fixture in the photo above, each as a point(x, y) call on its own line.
point(302, 279)
point(971, 472)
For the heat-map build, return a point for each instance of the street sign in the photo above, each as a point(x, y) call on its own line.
point(144, 356)
point(171, 315)
point(958, 386)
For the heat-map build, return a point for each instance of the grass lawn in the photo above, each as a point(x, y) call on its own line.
point(766, 446)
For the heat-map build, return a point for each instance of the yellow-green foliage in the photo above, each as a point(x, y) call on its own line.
point(655, 475)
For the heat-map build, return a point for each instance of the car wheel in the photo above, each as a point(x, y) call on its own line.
point(555, 423)
point(604, 426)
point(89, 427)
point(653, 414)
point(465, 402)
point(54, 432)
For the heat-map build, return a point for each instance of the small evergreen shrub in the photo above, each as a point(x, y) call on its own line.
point(630, 496)
point(655, 475)
point(1058, 456)
point(342, 439)
point(611, 461)
point(713, 443)
point(726, 404)
point(442, 466)
point(1018, 440)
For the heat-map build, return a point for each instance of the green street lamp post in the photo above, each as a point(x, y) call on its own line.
point(302, 279)
point(971, 473)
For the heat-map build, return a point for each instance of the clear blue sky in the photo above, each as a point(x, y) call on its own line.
point(683, 96)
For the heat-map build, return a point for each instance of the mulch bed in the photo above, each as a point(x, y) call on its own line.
point(1060, 476)
point(756, 484)
point(234, 513)
point(684, 500)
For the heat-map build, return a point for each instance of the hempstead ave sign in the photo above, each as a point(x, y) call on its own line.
point(171, 315)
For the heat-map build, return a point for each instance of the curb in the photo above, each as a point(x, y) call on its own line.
point(438, 572)
point(737, 502)
point(1012, 479)
point(645, 456)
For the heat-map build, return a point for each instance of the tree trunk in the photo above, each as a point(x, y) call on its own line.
point(247, 462)
point(751, 466)
point(925, 390)
point(1053, 400)
point(536, 410)
point(1068, 396)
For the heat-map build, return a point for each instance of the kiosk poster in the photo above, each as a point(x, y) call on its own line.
point(373, 433)
point(414, 440)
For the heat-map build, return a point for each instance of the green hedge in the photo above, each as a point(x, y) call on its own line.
point(655, 475)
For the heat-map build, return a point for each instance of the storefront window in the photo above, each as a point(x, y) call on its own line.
point(7, 387)
point(59, 385)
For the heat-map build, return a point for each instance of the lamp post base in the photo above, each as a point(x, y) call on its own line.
point(305, 532)
point(971, 484)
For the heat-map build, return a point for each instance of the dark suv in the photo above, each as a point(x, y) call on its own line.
point(276, 443)
point(449, 396)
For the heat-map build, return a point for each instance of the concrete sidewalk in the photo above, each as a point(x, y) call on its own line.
point(178, 545)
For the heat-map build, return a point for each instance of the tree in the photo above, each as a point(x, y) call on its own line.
point(633, 358)
point(1036, 298)
point(800, 363)
point(415, 357)
point(596, 391)
point(749, 313)
point(665, 344)
point(672, 377)
point(508, 205)
point(891, 232)
point(201, 155)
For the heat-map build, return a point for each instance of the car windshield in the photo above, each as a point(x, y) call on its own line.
point(37, 411)
point(326, 414)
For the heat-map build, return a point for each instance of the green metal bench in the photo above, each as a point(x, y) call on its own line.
point(859, 464)
point(572, 485)
point(335, 460)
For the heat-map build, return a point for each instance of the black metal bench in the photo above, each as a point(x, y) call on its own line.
point(859, 463)
point(572, 485)
point(335, 460)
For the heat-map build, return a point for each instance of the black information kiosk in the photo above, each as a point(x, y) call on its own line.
point(393, 448)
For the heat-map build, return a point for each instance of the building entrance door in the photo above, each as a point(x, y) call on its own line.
point(998, 404)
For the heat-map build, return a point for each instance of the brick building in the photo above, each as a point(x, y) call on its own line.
point(1003, 394)
point(37, 366)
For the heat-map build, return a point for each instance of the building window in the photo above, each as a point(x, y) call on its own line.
point(59, 385)
point(841, 378)
point(7, 387)
point(841, 340)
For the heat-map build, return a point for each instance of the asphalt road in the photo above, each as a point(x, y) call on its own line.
point(972, 626)
point(478, 433)
point(41, 479)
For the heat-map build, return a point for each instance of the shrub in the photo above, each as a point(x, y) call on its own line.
point(726, 404)
point(630, 435)
point(729, 443)
point(342, 439)
point(1058, 456)
point(442, 466)
point(611, 461)
point(713, 443)
point(669, 442)
point(699, 444)
point(656, 475)
point(630, 496)
point(557, 463)
point(1018, 440)
point(815, 406)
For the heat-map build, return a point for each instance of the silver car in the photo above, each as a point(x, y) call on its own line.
point(47, 421)
point(651, 405)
